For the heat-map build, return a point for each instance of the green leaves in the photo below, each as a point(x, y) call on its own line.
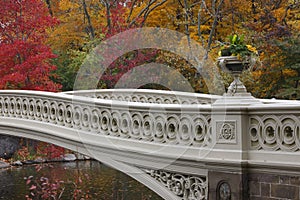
point(237, 47)
point(236, 39)
point(290, 50)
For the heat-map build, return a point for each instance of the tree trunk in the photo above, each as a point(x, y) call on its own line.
point(90, 25)
point(48, 2)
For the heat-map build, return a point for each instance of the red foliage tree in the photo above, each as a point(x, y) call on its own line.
point(49, 151)
point(24, 57)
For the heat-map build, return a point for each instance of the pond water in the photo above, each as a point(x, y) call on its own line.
point(90, 179)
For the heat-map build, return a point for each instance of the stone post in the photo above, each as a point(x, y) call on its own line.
point(230, 132)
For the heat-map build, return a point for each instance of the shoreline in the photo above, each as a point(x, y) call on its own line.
point(65, 158)
point(4, 165)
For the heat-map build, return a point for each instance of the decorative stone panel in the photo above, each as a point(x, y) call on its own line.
point(184, 186)
point(187, 129)
point(275, 132)
point(226, 132)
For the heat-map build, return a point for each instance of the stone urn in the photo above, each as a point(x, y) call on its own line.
point(234, 66)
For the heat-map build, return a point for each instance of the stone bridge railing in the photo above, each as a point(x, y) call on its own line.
point(274, 133)
point(168, 124)
point(148, 96)
point(148, 135)
point(189, 134)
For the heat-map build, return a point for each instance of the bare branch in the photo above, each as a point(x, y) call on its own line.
point(199, 24)
point(108, 14)
point(150, 10)
point(187, 31)
point(206, 9)
point(289, 7)
point(180, 3)
point(194, 4)
point(49, 7)
point(131, 10)
point(151, 2)
point(213, 27)
point(90, 25)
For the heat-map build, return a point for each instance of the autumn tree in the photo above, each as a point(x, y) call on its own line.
point(270, 26)
point(84, 24)
point(24, 57)
point(290, 48)
point(197, 20)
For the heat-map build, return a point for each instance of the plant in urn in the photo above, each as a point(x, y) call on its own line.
point(235, 57)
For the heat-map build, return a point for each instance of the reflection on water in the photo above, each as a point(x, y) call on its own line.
point(98, 181)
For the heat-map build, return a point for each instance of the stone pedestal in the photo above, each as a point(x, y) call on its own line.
point(230, 128)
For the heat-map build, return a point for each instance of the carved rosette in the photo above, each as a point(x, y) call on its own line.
point(184, 186)
point(226, 132)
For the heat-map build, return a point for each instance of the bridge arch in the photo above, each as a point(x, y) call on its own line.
point(77, 122)
point(66, 139)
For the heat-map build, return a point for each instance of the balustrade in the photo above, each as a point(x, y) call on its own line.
point(203, 129)
point(148, 96)
point(151, 123)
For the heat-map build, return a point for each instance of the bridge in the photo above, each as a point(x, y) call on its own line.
point(181, 145)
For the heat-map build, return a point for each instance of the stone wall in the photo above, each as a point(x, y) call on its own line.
point(226, 185)
point(273, 186)
point(250, 185)
point(8, 146)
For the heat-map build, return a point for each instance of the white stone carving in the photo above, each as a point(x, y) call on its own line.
point(226, 131)
point(275, 132)
point(148, 96)
point(184, 186)
point(156, 126)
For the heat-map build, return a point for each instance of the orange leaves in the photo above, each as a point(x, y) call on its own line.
point(67, 5)
point(289, 73)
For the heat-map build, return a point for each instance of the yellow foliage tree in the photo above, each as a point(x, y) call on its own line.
point(207, 21)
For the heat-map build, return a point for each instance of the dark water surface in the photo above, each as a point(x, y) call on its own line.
point(95, 180)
